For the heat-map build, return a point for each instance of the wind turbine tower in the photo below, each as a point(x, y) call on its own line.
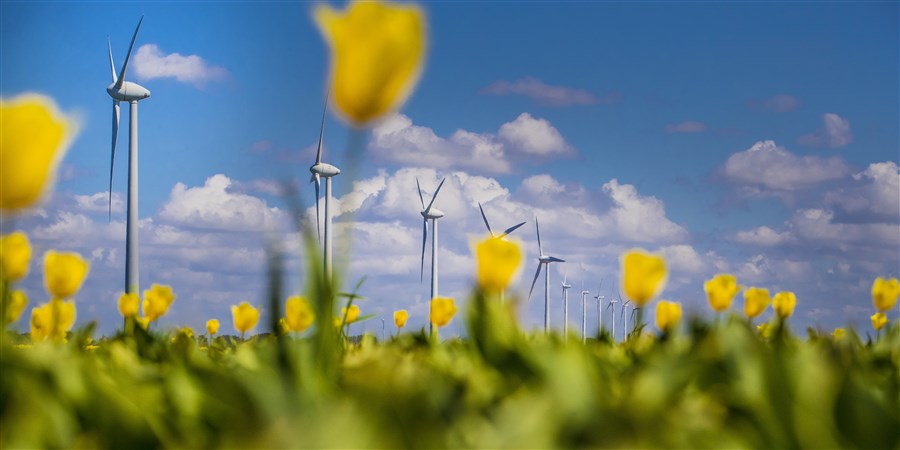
point(323, 170)
point(612, 304)
point(584, 314)
point(565, 289)
point(126, 91)
point(543, 260)
point(433, 214)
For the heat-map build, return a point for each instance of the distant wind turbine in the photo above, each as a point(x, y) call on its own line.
point(565, 289)
point(434, 214)
point(322, 170)
point(126, 91)
point(624, 310)
point(599, 299)
point(584, 314)
point(543, 260)
point(612, 304)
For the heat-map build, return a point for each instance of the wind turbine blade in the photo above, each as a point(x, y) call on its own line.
point(128, 57)
point(434, 197)
point(322, 131)
point(555, 259)
point(536, 275)
point(112, 65)
point(424, 239)
point(511, 229)
point(566, 277)
point(538, 227)
point(112, 156)
point(421, 199)
point(315, 179)
point(485, 220)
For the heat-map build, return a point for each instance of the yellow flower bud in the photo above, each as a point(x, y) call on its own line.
point(442, 311)
point(245, 317)
point(351, 315)
point(157, 301)
point(764, 330)
point(756, 300)
point(129, 304)
point(839, 333)
point(879, 320)
point(52, 320)
point(40, 323)
point(34, 137)
point(667, 315)
point(400, 318)
point(784, 303)
point(143, 322)
point(15, 255)
point(376, 56)
point(884, 293)
point(498, 261)
point(64, 273)
point(212, 326)
point(17, 302)
point(643, 276)
point(720, 291)
point(299, 314)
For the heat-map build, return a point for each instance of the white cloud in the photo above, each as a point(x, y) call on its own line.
point(100, 202)
point(534, 136)
point(545, 94)
point(214, 206)
point(638, 218)
point(763, 236)
point(150, 63)
point(767, 166)
point(874, 197)
point(691, 126)
point(835, 133)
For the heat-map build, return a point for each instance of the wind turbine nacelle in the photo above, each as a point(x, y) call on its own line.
point(434, 213)
point(324, 170)
point(129, 92)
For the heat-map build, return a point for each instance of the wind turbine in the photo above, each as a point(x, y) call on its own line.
point(542, 260)
point(327, 171)
point(565, 289)
point(488, 225)
point(612, 304)
point(126, 91)
point(599, 299)
point(624, 309)
point(584, 314)
point(434, 214)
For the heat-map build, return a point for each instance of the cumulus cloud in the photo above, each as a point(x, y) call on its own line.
point(874, 196)
point(690, 126)
point(534, 136)
point(835, 133)
point(639, 218)
point(215, 206)
point(543, 93)
point(763, 236)
point(150, 62)
point(768, 166)
point(100, 202)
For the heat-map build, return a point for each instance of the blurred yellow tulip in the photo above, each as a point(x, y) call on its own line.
point(783, 303)
point(34, 136)
point(643, 276)
point(129, 304)
point(764, 330)
point(212, 326)
point(756, 300)
point(143, 322)
point(52, 320)
point(442, 311)
point(157, 301)
point(720, 291)
point(64, 273)
point(884, 293)
point(299, 314)
point(400, 318)
point(667, 315)
point(15, 255)
point(498, 261)
point(839, 333)
point(377, 50)
point(351, 314)
point(879, 320)
point(17, 303)
point(245, 317)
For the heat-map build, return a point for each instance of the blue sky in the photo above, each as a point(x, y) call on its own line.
point(755, 138)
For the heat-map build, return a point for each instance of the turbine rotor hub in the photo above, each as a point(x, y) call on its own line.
point(324, 170)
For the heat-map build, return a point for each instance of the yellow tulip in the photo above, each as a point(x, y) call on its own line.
point(764, 330)
point(879, 320)
point(40, 323)
point(52, 320)
point(351, 315)
point(720, 291)
point(400, 318)
point(129, 304)
point(377, 51)
point(64, 273)
point(643, 276)
point(143, 322)
point(34, 137)
point(157, 301)
point(667, 315)
point(442, 311)
point(498, 261)
point(839, 333)
point(884, 293)
point(212, 326)
point(15, 255)
point(17, 302)
point(299, 314)
point(784, 303)
point(245, 317)
point(756, 300)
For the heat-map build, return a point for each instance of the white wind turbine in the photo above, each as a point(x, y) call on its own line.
point(126, 91)
point(543, 260)
point(584, 314)
point(624, 309)
point(501, 236)
point(612, 304)
point(434, 214)
point(327, 171)
point(599, 297)
point(565, 290)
